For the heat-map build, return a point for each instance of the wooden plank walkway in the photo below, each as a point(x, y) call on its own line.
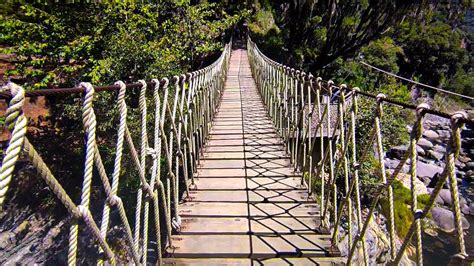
point(248, 207)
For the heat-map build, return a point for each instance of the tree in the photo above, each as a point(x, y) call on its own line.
point(61, 45)
point(316, 33)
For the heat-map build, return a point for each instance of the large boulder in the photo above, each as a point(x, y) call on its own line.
point(444, 219)
point(425, 144)
point(427, 170)
point(435, 155)
point(439, 148)
point(420, 151)
point(397, 151)
point(405, 179)
point(465, 209)
point(431, 135)
point(443, 134)
point(438, 199)
point(445, 194)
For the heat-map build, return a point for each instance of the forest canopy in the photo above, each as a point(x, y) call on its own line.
point(429, 41)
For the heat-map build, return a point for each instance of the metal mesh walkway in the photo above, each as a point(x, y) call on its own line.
point(248, 205)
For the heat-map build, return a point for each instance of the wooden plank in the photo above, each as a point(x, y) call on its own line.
point(248, 206)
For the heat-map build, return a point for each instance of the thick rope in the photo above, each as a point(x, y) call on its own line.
point(287, 118)
point(16, 121)
point(206, 85)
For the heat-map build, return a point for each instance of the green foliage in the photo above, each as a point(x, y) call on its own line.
point(61, 45)
point(449, 104)
point(432, 52)
point(263, 27)
point(402, 207)
point(316, 33)
point(369, 174)
point(263, 22)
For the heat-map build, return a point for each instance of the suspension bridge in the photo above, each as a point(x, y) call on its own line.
point(261, 166)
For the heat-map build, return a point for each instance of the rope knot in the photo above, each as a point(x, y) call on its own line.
point(152, 152)
point(421, 108)
point(355, 89)
point(114, 200)
point(457, 116)
point(418, 126)
point(175, 79)
point(143, 82)
point(330, 86)
point(418, 214)
point(456, 123)
point(380, 97)
point(123, 87)
point(15, 107)
point(292, 72)
point(148, 190)
point(157, 83)
point(82, 212)
point(182, 79)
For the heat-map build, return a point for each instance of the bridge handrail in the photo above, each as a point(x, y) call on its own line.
point(188, 118)
point(283, 92)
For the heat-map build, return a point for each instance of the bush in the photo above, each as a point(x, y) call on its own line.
point(402, 207)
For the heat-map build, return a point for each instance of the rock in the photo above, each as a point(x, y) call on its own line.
point(445, 194)
point(427, 170)
point(425, 144)
point(393, 163)
point(434, 181)
point(420, 151)
point(464, 159)
point(469, 176)
point(439, 148)
point(435, 155)
point(48, 240)
point(397, 151)
point(471, 208)
point(438, 199)
point(431, 232)
point(443, 134)
point(420, 187)
point(6, 238)
point(377, 244)
point(469, 166)
point(426, 181)
point(431, 134)
point(465, 209)
point(459, 165)
point(444, 219)
point(390, 163)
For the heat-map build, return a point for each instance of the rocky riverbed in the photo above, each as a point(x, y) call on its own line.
point(439, 239)
point(431, 150)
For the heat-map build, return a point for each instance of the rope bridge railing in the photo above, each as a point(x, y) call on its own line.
point(306, 109)
point(180, 127)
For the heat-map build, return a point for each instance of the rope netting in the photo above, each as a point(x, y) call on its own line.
point(308, 111)
point(181, 123)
